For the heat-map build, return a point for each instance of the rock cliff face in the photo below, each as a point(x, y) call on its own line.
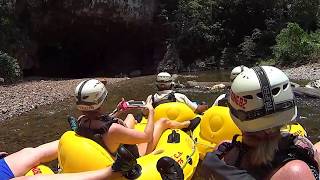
point(90, 37)
point(126, 10)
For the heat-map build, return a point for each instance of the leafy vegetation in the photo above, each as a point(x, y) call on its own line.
point(13, 34)
point(9, 68)
point(242, 31)
point(295, 46)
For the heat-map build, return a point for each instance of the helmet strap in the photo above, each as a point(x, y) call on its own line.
point(257, 113)
point(80, 90)
point(269, 106)
point(268, 102)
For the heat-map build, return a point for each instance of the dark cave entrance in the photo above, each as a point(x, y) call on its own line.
point(86, 50)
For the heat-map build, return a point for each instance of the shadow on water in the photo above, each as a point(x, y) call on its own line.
point(48, 123)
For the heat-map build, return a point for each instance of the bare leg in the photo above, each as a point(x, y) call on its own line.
point(89, 175)
point(160, 126)
point(130, 121)
point(22, 161)
point(295, 169)
point(317, 152)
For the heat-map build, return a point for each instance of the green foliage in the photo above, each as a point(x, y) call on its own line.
point(247, 53)
point(13, 35)
point(303, 12)
point(171, 62)
point(9, 68)
point(196, 33)
point(246, 28)
point(228, 57)
point(315, 42)
point(294, 46)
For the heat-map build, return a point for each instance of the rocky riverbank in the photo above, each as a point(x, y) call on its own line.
point(305, 72)
point(23, 97)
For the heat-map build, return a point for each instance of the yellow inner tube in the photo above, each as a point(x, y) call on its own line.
point(216, 126)
point(174, 111)
point(78, 154)
point(295, 129)
point(41, 169)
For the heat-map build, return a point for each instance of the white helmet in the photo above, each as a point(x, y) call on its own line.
point(90, 95)
point(165, 79)
point(236, 71)
point(261, 98)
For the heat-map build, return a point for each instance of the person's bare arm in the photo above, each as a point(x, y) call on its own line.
point(117, 112)
point(131, 136)
point(126, 135)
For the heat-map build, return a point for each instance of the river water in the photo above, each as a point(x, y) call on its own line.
point(48, 123)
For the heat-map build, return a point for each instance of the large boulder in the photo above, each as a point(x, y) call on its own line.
point(129, 11)
point(306, 92)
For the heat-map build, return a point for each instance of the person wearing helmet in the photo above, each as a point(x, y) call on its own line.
point(261, 102)
point(165, 94)
point(223, 98)
point(112, 132)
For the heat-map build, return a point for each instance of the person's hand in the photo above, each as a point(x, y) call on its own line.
point(120, 104)
point(149, 106)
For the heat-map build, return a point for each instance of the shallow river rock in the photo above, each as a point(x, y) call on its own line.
point(307, 92)
point(206, 85)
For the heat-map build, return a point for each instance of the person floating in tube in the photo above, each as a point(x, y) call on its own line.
point(261, 101)
point(165, 94)
point(110, 131)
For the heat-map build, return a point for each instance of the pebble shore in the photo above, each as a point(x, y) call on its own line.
point(305, 72)
point(25, 96)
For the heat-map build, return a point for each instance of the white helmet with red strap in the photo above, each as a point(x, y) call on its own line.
point(236, 71)
point(261, 98)
point(90, 95)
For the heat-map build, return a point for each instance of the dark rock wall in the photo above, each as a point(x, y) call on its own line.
point(91, 37)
